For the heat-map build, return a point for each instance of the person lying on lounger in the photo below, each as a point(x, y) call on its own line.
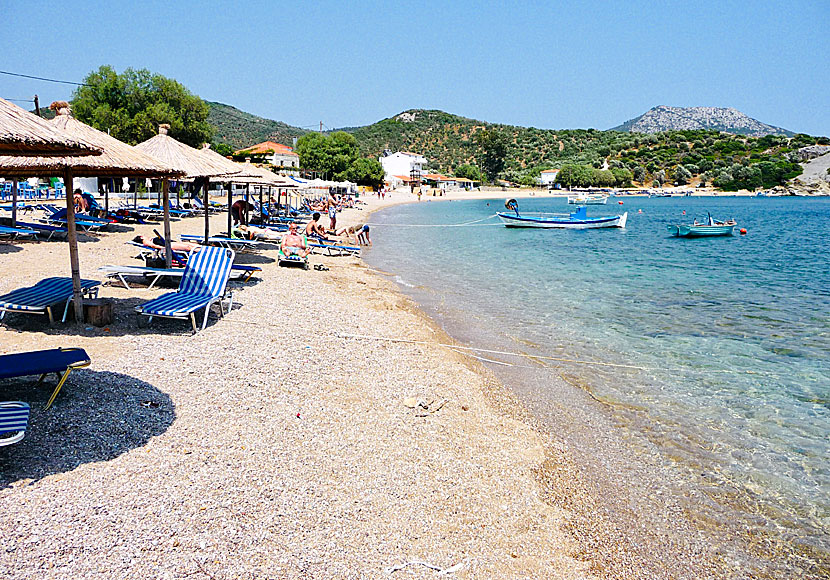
point(293, 244)
point(254, 232)
point(158, 244)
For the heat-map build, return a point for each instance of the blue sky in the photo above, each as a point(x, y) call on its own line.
point(542, 64)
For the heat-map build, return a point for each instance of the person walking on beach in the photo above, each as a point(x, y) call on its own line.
point(332, 207)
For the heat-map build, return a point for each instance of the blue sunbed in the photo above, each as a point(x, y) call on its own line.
point(60, 361)
point(40, 298)
point(17, 232)
point(14, 419)
point(203, 283)
point(45, 229)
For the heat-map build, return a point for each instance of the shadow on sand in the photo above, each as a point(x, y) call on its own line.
point(97, 416)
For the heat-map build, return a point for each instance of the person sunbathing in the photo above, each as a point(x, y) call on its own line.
point(158, 244)
point(254, 232)
point(293, 244)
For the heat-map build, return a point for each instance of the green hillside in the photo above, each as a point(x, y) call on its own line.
point(730, 161)
point(240, 129)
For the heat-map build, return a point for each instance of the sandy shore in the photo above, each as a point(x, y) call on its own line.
point(275, 444)
point(266, 446)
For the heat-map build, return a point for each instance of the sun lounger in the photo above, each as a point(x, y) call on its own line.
point(224, 242)
point(203, 283)
point(44, 229)
point(60, 361)
point(15, 233)
point(40, 298)
point(14, 419)
point(239, 272)
point(333, 249)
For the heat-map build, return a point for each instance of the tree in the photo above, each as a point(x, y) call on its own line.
point(332, 155)
point(366, 172)
point(223, 149)
point(468, 171)
point(682, 175)
point(492, 145)
point(133, 104)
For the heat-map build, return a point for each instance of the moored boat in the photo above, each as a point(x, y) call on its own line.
point(588, 199)
point(577, 220)
point(709, 229)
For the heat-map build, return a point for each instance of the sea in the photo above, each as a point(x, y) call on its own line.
point(709, 356)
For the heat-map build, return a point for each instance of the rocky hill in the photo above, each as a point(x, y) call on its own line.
point(663, 118)
point(240, 129)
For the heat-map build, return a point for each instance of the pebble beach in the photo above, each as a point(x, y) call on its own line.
point(291, 439)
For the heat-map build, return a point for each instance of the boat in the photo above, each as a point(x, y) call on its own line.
point(711, 228)
point(577, 220)
point(588, 199)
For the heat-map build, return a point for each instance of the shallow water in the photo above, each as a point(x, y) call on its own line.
point(729, 337)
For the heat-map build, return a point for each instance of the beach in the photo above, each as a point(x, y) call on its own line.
point(318, 430)
point(268, 445)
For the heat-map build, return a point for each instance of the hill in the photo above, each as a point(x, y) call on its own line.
point(240, 129)
point(663, 118)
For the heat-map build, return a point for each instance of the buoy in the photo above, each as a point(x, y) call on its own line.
point(684, 212)
point(619, 202)
point(743, 231)
point(639, 211)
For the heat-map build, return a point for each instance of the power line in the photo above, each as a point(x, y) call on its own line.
point(20, 100)
point(43, 79)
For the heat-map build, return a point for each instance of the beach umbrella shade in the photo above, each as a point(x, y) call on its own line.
point(237, 174)
point(22, 133)
point(116, 159)
point(187, 159)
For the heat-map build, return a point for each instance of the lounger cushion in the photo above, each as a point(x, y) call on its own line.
point(14, 417)
point(40, 362)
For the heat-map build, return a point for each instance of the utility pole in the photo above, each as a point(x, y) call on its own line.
point(321, 126)
point(37, 107)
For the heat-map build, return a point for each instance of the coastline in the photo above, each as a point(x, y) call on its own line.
point(267, 444)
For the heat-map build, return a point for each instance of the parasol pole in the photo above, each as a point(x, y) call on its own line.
point(230, 211)
point(14, 201)
point(72, 237)
point(165, 194)
point(207, 209)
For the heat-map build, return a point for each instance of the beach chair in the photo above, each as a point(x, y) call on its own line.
point(15, 233)
point(239, 272)
point(44, 229)
point(40, 298)
point(203, 284)
point(60, 361)
point(14, 419)
point(333, 249)
point(85, 223)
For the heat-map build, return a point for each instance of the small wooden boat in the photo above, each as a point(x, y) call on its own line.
point(588, 199)
point(577, 220)
point(709, 229)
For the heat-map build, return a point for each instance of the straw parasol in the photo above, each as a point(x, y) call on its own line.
point(241, 176)
point(186, 159)
point(22, 133)
point(117, 159)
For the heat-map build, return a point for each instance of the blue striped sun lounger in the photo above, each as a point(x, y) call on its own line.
point(40, 298)
point(60, 361)
point(14, 419)
point(15, 233)
point(203, 283)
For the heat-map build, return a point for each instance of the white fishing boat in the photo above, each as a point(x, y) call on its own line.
point(577, 220)
point(588, 199)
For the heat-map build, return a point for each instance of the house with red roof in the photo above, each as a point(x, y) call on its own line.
point(274, 153)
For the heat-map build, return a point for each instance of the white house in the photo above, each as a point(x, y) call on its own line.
point(548, 177)
point(400, 164)
point(275, 153)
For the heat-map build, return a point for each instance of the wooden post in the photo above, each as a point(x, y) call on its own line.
point(207, 209)
point(72, 238)
point(165, 195)
point(14, 201)
point(261, 217)
point(247, 191)
point(230, 204)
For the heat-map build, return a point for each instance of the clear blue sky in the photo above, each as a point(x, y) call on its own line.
point(542, 64)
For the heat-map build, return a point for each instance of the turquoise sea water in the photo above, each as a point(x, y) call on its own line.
point(730, 336)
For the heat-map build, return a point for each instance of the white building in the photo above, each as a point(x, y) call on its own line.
point(400, 164)
point(548, 177)
point(276, 154)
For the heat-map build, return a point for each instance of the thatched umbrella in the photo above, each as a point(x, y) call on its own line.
point(186, 159)
point(22, 133)
point(118, 159)
point(236, 175)
point(269, 178)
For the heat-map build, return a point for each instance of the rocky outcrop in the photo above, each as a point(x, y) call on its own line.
point(663, 118)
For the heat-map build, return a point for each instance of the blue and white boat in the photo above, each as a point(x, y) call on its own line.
point(711, 228)
point(577, 220)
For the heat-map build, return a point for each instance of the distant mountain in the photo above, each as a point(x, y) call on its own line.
point(240, 129)
point(663, 118)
